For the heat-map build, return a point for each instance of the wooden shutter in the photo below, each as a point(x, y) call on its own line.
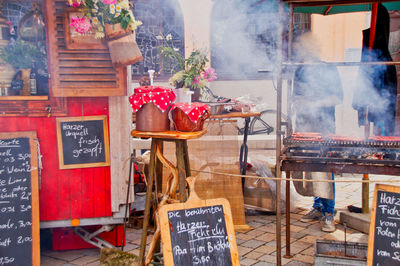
point(78, 72)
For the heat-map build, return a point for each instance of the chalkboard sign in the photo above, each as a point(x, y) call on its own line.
point(384, 231)
point(83, 142)
point(198, 232)
point(19, 199)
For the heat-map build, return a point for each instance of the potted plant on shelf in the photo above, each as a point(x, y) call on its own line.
point(113, 20)
point(190, 73)
point(22, 56)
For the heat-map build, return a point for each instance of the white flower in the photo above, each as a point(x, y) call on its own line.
point(176, 49)
point(95, 20)
point(168, 37)
point(159, 37)
point(134, 24)
point(117, 15)
point(95, 1)
point(99, 35)
point(124, 4)
point(112, 9)
point(118, 8)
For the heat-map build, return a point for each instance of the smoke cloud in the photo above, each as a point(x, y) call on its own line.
point(244, 36)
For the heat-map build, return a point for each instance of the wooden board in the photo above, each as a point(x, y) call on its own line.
point(83, 142)
point(74, 40)
point(384, 237)
point(168, 134)
point(19, 199)
point(198, 232)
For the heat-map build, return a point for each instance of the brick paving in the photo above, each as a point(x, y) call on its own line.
point(257, 246)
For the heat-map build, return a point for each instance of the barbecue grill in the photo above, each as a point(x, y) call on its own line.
point(313, 152)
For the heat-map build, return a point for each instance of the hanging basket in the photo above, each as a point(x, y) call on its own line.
point(122, 45)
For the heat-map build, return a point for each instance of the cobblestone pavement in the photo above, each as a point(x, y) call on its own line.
point(257, 246)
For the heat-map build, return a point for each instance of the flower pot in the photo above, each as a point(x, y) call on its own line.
point(122, 45)
point(196, 95)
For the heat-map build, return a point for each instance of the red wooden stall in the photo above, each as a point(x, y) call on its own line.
point(81, 84)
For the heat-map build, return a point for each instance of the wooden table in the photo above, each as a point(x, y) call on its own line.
point(155, 168)
point(243, 148)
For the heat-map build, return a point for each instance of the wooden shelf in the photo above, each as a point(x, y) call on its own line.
point(24, 98)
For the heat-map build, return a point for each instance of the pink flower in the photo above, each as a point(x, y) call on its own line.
point(210, 74)
point(81, 25)
point(110, 2)
point(197, 80)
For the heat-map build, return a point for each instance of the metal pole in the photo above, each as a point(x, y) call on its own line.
point(127, 201)
point(365, 186)
point(278, 139)
point(289, 131)
point(289, 128)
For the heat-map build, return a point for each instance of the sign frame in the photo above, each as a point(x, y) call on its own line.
point(371, 235)
point(31, 135)
point(195, 202)
point(61, 160)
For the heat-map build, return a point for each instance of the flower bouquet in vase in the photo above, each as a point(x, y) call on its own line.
point(113, 20)
point(191, 73)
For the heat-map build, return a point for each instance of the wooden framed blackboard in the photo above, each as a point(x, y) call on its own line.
point(19, 199)
point(83, 142)
point(198, 232)
point(384, 230)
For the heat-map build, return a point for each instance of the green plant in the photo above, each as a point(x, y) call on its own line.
point(22, 55)
point(96, 13)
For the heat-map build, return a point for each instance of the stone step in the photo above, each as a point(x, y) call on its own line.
point(358, 221)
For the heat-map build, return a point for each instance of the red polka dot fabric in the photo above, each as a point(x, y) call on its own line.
point(161, 97)
point(194, 110)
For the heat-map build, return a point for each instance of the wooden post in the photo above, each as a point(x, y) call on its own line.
point(365, 194)
point(180, 159)
point(159, 170)
point(149, 191)
point(186, 159)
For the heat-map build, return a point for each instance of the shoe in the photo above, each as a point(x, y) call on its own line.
point(328, 223)
point(312, 215)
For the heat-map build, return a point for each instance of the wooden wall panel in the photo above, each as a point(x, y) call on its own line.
point(78, 72)
point(67, 194)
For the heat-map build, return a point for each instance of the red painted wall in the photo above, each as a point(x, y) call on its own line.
point(67, 194)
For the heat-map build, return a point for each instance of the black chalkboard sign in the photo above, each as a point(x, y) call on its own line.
point(198, 234)
point(384, 232)
point(83, 142)
point(19, 200)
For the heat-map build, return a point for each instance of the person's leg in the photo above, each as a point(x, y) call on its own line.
point(318, 203)
point(315, 213)
point(328, 211)
point(328, 205)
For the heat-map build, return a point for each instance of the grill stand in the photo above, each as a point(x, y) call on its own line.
point(292, 164)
